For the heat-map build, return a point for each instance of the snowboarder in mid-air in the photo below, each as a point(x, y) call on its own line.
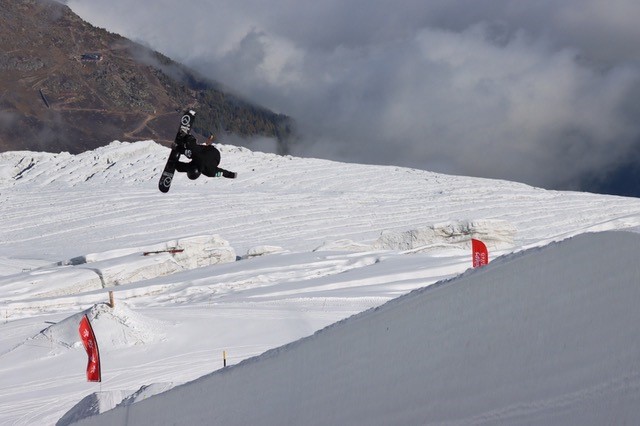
point(204, 158)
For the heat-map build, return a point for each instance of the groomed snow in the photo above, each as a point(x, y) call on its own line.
point(290, 247)
point(549, 336)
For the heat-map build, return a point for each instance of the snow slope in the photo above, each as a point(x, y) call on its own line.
point(545, 337)
point(315, 242)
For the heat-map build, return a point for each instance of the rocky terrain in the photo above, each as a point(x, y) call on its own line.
point(66, 85)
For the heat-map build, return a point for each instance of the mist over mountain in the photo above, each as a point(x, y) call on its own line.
point(543, 93)
point(66, 85)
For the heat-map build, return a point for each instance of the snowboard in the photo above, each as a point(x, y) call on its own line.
point(186, 122)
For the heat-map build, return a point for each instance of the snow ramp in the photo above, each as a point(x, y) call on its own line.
point(546, 336)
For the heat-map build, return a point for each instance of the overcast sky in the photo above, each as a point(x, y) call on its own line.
point(543, 92)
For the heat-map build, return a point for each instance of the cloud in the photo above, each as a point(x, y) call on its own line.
point(8, 119)
point(539, 92)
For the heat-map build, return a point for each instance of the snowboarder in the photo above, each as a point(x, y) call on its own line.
point(205, 158)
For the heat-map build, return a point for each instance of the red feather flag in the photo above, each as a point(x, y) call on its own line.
point(91, 346)
point(480, 254)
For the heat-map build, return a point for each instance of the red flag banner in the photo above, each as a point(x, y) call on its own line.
point(479, 253)
point(91, 346)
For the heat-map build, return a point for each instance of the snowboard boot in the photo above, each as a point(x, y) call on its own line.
point(226, 173)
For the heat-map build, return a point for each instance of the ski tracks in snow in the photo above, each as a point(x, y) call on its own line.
point(299, 204)
point(56, 207)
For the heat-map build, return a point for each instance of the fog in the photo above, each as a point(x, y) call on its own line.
point(538, 92)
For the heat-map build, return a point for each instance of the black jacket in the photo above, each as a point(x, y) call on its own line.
point(205, 157)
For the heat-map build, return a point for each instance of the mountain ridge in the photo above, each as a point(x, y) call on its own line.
point(66, 85)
